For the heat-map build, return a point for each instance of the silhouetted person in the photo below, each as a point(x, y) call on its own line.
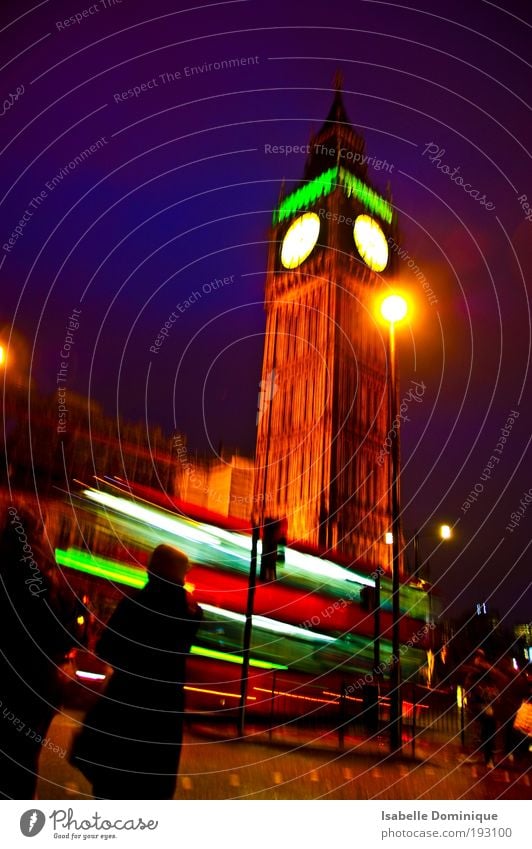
point(131, 742)
point(37, 629)
point(513, 690)
point(483, 693)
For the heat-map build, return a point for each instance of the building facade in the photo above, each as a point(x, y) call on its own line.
point(321, 456)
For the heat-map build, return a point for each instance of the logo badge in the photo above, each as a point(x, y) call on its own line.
point(32, 822)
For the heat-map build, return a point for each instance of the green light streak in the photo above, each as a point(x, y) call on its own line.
point(306, 195)
point(131, 576)
point(323, 185)
point(234, 658)
point(367, 197)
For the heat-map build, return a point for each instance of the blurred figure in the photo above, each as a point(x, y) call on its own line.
point(514, 689)
point(37, 629)
point(130, 745)
point(482, 694)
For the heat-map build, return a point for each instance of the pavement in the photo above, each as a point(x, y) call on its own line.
point(294, 762)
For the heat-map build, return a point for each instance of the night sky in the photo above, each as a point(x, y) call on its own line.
point(178, 190)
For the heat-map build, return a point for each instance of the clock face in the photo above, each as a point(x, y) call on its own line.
point(371, 242)
point(300, 239)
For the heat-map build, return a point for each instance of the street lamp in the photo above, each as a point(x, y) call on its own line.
point(394, 308)
point(445, 533)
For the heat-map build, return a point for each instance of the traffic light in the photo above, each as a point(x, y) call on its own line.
point(367, 598)
point(273, 542)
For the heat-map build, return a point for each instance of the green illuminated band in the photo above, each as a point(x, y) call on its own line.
point(307, 194)
point(130, 576)
point(234, 658)
point(133, 576)
point(323, 185)
point(367, 197)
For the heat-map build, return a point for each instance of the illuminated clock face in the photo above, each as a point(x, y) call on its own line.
point(300, 239)
point(371, 242)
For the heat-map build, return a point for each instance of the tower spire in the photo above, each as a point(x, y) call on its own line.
point(338, 81)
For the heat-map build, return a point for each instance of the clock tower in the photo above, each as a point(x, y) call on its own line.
point(321, 460)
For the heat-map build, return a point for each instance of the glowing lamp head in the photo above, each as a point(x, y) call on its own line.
point(446, 532)
point(394, 308)
point(2, 355)
point(388, 538)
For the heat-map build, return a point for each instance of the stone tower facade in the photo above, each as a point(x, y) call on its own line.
point(323, 419)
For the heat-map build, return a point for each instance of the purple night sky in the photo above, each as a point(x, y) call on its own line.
point(179, 190)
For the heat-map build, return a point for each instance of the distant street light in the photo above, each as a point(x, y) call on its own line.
point(444, 532)
point(394, 308)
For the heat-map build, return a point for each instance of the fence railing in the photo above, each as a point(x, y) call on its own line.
point(284, 702)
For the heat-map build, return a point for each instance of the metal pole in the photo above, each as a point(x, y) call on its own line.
point(395, 670)
point(462, 719)
point(247, 630)
point(416, 554)
point(272, 707)
point(414, 729)
point(377, 624)
point(341, 725)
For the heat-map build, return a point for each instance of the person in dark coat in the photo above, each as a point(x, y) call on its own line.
point(131, 741)
point(37, 629)
point(513, 687)
point(482, 695)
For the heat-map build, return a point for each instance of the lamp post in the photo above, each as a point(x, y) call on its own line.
point(445, 532)
point(394, 309)
point(248, 628)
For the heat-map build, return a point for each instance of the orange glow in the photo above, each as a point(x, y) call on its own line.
point(337, 696)
point(394, 308)
point(446, 532)
point(293, 695)
point(218, 693)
